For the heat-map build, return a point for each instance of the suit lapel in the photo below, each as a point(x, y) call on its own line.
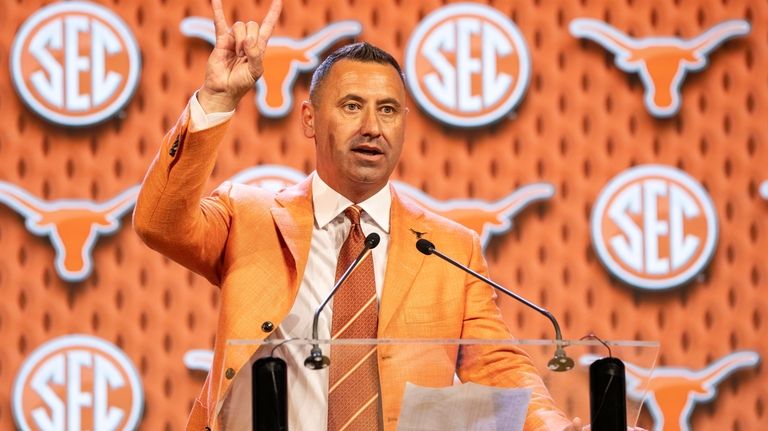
point(294, 219)
point(403, 260)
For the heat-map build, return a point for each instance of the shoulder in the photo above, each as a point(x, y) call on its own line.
point(247, 192)
point(237, 194)
point(436, 227)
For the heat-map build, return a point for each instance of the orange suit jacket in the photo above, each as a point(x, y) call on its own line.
point(254, 245)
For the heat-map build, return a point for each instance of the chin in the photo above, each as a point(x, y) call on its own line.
point(369, 181)
point(368, 176)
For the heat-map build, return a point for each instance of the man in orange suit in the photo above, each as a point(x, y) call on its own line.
point(274, 256)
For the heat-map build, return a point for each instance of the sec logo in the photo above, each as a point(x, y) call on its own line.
point(75, 63)
point(77, 382)
point(654, 227)
point(467, 65)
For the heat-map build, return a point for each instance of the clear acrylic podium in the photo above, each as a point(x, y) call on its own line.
point(430, 363)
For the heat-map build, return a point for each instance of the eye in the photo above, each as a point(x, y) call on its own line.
point(388, 109)
point(351, 106)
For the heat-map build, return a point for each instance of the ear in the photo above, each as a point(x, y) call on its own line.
point(308, 119)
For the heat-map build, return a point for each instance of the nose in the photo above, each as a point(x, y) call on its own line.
point(370, 126)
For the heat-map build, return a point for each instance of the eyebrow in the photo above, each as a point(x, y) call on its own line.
point(357, 98)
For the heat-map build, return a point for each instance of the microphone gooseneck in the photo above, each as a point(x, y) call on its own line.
point(316, 360)
point(560, 361)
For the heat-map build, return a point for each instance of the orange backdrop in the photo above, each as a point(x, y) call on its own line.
point(581, 122)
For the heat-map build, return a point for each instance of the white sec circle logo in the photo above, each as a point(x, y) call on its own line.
point(654, 227)
point(467, 65)
point(75, 63)
point(77, 382)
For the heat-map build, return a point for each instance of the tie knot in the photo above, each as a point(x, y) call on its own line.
point(353, 214)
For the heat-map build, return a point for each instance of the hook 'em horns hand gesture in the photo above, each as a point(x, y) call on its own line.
point(236, 62)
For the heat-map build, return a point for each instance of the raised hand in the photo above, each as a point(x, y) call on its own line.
point(236, 62)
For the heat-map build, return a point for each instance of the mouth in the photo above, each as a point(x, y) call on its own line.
point(368, 150)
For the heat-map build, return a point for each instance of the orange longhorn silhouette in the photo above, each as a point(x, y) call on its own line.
point(283, 60)
point(661, 62)
point(483, 217)
point(73, 226)
point(673, 391)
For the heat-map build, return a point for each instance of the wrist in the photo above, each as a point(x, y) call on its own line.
point(213, 101)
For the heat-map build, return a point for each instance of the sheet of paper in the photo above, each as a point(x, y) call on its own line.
point(465, 407)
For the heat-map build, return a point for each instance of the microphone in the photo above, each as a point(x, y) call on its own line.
point(316, 360)
point(269, 394)
point(560, 361)
point(607, 394)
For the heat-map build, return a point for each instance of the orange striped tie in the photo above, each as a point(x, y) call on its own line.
point(353, 393)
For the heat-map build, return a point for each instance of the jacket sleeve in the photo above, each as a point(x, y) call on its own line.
point(171, 215)
point(503, 365)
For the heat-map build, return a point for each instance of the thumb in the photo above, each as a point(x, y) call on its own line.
point(578, 424)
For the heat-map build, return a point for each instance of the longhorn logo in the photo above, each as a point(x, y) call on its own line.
point(72, 225)
point(673, 391)
point(269, 177)
point(661, 62)
point(483, 217)
point(198, 360)
point(283, 61)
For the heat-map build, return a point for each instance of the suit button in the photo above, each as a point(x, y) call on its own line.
point(174, 147)
point(267, 326)
point(229, 373)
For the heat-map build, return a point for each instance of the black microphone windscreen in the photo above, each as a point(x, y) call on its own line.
point(269, 388)
point(372, 240)
point(607, 394)
point(425, 246)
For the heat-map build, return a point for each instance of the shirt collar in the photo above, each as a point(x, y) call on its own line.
point(328, 204)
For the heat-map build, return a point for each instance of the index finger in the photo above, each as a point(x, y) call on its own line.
point(219, 20)
point(270, 20)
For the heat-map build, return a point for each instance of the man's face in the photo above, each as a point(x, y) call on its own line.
point(358, 122)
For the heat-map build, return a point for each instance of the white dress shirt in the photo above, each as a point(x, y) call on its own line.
point(307, 389)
